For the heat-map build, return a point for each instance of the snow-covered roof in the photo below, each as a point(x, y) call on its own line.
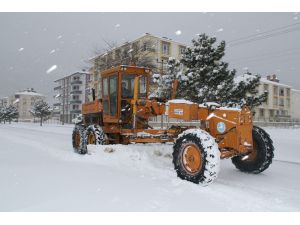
point(245, 78)
point(266, 81)
point(140, 37)
point(78, 72)
point(29, 93)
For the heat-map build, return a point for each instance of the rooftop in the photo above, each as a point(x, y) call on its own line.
point(78, 72)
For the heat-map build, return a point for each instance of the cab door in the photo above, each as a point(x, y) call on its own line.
point(110, 98)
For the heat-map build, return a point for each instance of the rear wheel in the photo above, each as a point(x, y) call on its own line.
point(78, 140)
point(261, 157)
point(94, 135)
point(196, 157)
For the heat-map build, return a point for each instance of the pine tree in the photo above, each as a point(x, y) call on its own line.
point(207, 78)
point(245, 91)
point(8, 113)
point(41, 110)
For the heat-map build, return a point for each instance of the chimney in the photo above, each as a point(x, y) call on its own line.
point(273, 78)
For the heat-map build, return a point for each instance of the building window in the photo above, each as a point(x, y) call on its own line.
point(261, 112)
point(181, 50)
point(271, 112)
point(275, 90)
point(281, 91)
point(166, 48)
point(275, 101)
point(288, 92)
point(145, 47)
point(281, 102)
point(266, 87)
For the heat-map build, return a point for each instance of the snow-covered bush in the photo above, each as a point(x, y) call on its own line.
point(41, 110)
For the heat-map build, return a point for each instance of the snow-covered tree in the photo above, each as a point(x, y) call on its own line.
point(1, 114)
point(207, 77)
point(164, 82)
point(245, 91)
point(8, 113)
point(41, 110)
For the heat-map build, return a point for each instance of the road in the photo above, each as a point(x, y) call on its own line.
point(40, 172)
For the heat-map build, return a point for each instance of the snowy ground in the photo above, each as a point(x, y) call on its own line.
point(40, 172)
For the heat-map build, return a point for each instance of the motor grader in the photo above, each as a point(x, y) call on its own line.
point(121, 112)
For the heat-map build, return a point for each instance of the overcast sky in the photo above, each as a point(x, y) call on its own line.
point(31, 43)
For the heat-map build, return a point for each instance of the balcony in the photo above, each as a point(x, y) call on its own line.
point(57, 104)
point(76, 92)
point(75, 101)
point(57, 88)
point(76, 82)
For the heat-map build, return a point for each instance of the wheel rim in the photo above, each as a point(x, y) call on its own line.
point(77, 139)
point(192, 158)
point(91, 139)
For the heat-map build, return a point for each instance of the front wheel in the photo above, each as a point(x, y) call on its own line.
point(196, 157)
point(78, 140)
point(261, 157)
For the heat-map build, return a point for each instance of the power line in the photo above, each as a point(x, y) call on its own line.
point(286, 52)
point(266, 34)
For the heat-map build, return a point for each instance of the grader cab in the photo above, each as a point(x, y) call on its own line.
point(121, 112)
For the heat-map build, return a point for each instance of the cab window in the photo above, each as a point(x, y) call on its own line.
point(143, 87)
point(113, 95)
point(127, 85)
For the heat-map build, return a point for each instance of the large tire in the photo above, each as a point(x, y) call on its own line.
point(94, 135)
point(78, 140)
point(196, 157)
point(261, 158)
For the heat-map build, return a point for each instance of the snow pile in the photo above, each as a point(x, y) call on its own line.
point(51, 69)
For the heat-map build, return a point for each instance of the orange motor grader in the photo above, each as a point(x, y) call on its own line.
point(121, 113)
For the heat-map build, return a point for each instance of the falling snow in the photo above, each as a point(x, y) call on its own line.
point(220, 30)
point(178, 32)
point(52, 51)
point(52, 68)
point(21, 49)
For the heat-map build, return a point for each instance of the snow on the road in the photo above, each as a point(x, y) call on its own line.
point(40, 172)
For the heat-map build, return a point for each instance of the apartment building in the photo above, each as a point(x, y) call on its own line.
point(4, 101)
point(71, 92)
point(295, 105)
point(148, 50)
point(277, 108)
point(24, 101)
